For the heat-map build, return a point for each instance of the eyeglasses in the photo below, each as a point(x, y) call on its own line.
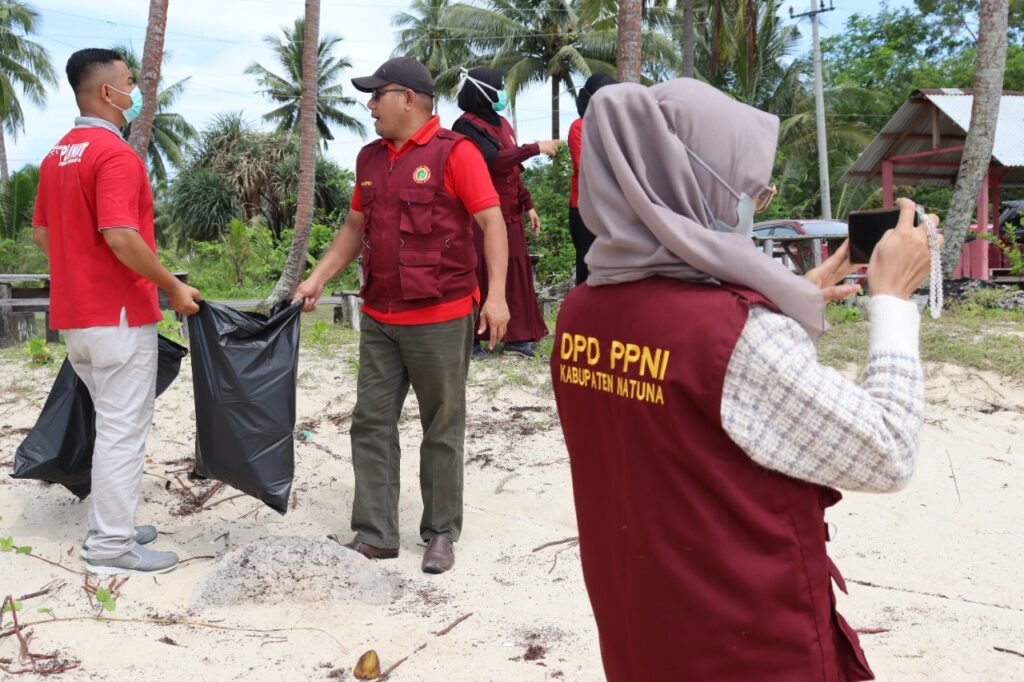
point(765, 198)
point(378, 93)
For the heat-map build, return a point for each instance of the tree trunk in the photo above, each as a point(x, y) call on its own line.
point(4, 173)
point(688, 39)
point(977, 154)
point(295, 266)
point(628, 44)
point(716, 32)
point(149, 76)
point(751, 35)
point(555, 112)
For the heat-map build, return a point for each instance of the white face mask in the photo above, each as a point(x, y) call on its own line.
point(744, 204)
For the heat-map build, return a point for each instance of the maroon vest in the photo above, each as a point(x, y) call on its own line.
point(417, 238)
point(700, 564)
point(506, 183)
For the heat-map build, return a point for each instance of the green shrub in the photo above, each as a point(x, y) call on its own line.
point(21, 255)
point(1010, 245)
point(38, 352)
point(840, 313)
point(548, 182)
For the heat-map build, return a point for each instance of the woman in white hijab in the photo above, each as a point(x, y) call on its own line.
point(703, 434)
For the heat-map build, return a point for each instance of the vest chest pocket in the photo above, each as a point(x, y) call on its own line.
point(417, 210)
point(366, 196)
point(420, 273)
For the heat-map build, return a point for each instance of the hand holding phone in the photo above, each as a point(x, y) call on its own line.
point(901, 259)
point(866, 229)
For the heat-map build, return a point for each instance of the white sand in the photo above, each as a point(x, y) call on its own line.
point(941, 564)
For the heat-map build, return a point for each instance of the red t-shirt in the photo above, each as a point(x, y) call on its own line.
point(92, 180)
point(465, 177)
point(575, 148)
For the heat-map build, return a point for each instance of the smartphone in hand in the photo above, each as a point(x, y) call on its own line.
point(866, 229)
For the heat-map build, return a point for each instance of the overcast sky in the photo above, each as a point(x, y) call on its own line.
point(212, 41)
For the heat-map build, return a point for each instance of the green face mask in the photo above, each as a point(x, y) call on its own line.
point(502, 101)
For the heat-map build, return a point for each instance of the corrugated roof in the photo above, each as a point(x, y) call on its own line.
point(948, 112)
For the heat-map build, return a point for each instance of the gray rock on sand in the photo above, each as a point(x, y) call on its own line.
point(279, 570)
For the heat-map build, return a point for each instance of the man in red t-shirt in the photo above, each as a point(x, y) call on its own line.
point(94, 220)
point(418, 190)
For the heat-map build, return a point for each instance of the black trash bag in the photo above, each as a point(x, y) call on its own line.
point(59, 447)
point(168, 363)
point(244, 370)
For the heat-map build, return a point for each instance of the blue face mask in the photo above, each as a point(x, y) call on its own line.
point(132, 112)
point(502, 102)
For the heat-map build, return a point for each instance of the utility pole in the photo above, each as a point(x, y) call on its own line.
point(819, 105)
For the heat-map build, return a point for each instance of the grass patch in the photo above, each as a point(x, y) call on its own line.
point(319, 332)
point(968, 335)
point(844, 345)
point(978, 338)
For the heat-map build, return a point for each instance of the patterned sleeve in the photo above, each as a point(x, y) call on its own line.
point(793, 415)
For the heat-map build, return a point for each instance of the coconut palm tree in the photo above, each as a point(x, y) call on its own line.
point(309, 120)
point(24, 65)
point(533, 43)
point(170, 134)
point(425, 33)
point(287, 90)
point(628, 55)
point(148, 78)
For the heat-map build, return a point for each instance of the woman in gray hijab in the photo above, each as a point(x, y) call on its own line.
point(705, 438)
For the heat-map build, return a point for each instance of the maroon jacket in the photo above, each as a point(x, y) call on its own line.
point(700, 564)
point(418, 239)
point(506, 167)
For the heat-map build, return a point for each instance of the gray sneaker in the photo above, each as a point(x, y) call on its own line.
point(143, 535)
point(136, 560)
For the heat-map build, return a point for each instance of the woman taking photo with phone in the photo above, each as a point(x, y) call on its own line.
point(705, 438)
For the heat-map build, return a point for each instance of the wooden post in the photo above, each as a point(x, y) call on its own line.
point(994, 179)
point(353, 303)
point(816, 252)
point(6, 317)
point(887, 185)
point(983, 224)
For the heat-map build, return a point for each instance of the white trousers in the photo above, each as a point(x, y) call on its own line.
point(118, 366)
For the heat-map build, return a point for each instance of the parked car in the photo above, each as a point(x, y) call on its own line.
point(828, 230)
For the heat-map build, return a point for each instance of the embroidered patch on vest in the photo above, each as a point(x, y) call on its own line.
point(421, 175)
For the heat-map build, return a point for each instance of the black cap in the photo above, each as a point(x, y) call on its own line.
point(401, 70)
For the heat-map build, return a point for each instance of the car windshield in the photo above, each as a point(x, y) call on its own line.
point(825, 228)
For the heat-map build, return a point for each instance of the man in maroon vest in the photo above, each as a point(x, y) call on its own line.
point(704, 437)
point(418, 190)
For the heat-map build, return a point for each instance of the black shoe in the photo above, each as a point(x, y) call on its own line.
point(527, 349)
